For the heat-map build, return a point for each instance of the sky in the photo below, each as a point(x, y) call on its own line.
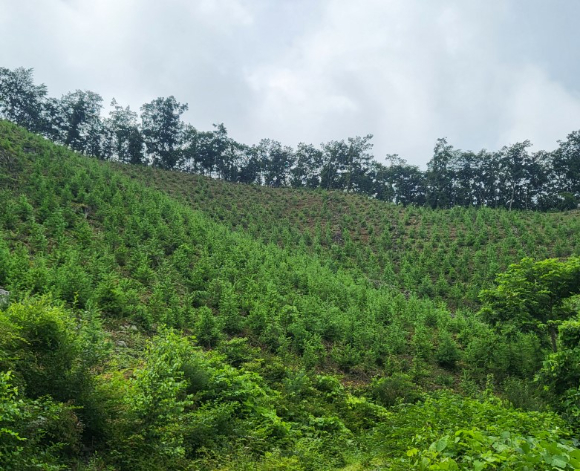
point(483, 74)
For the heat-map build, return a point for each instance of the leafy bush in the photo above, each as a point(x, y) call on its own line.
point(52, 354)
point(450, 432)
point(157, 406)
point(474, 450)
point(395, 389)
point(447, 353)
point(35, 434)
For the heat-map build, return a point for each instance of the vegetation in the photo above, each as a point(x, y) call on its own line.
point(446, 255)
point(144, 333)
point(511, 178)
point(534, 296)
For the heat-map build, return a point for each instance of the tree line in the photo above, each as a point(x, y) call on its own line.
point(512, 177)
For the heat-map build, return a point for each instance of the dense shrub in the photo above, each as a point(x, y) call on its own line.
point(398, 388)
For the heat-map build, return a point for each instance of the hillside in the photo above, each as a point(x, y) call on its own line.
point(448, 255)
point(214, 326)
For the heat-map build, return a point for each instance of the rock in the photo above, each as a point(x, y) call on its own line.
point(4, 298)
point(121, 343)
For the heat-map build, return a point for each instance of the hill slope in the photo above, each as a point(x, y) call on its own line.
point(298, 361)
point(445, 254)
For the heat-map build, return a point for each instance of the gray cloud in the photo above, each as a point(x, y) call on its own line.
point(484, 74)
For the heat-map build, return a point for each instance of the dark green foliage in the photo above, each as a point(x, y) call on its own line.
point(525, 394)
point(20, 99)
point(74, 121)
point(447, 353)
point(570, 334)
point(532, 295)
point(560, 374)
point(126, 141)
point(35, 434)
point(398, 388)
point(162, 131)
point(46, 353)
point(53, 354)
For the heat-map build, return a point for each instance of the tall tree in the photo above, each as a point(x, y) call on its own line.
point(307, 168)
point(76, 121)
point(248, 165)
point(224, 150)
point(407, 184)
point(382, 189)
point(358, 160)
point(126, 138)
point(440, 176)
point(515, 174)
point(567, 164)
point(190, 152)
point(21, 101)
point(465, 169)
point(346, 163)
point(212, 153)
point(163, 131)
point(277, 161)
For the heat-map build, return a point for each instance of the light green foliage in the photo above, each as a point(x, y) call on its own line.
point(206, 327)
point(131, 252)
point(246, 335)
point(182, 403)
point(157, 403)
point(451, 254)
point(450, 432)
point(474, 450)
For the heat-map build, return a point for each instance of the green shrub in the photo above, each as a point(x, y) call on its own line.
point(395, 389)
point(35, 434)
point(475, 450)
point(447, 353)
point(52, 354)
point(447, 431)
point(116, 297)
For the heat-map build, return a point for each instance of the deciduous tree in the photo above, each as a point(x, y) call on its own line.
point(531, 296)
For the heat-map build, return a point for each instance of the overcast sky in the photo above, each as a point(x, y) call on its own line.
point(482, 73)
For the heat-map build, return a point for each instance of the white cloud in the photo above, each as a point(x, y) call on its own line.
point(407, 71)
point(370, 66)
point(540, 107)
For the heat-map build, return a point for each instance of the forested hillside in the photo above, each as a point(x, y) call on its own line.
point(158, 320)
point(512, 177)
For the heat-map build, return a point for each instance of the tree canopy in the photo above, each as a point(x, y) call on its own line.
point(511, 177)
point(533, 296)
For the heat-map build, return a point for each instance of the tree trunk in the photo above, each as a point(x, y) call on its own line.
point(512, 197)
point(553, 338)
